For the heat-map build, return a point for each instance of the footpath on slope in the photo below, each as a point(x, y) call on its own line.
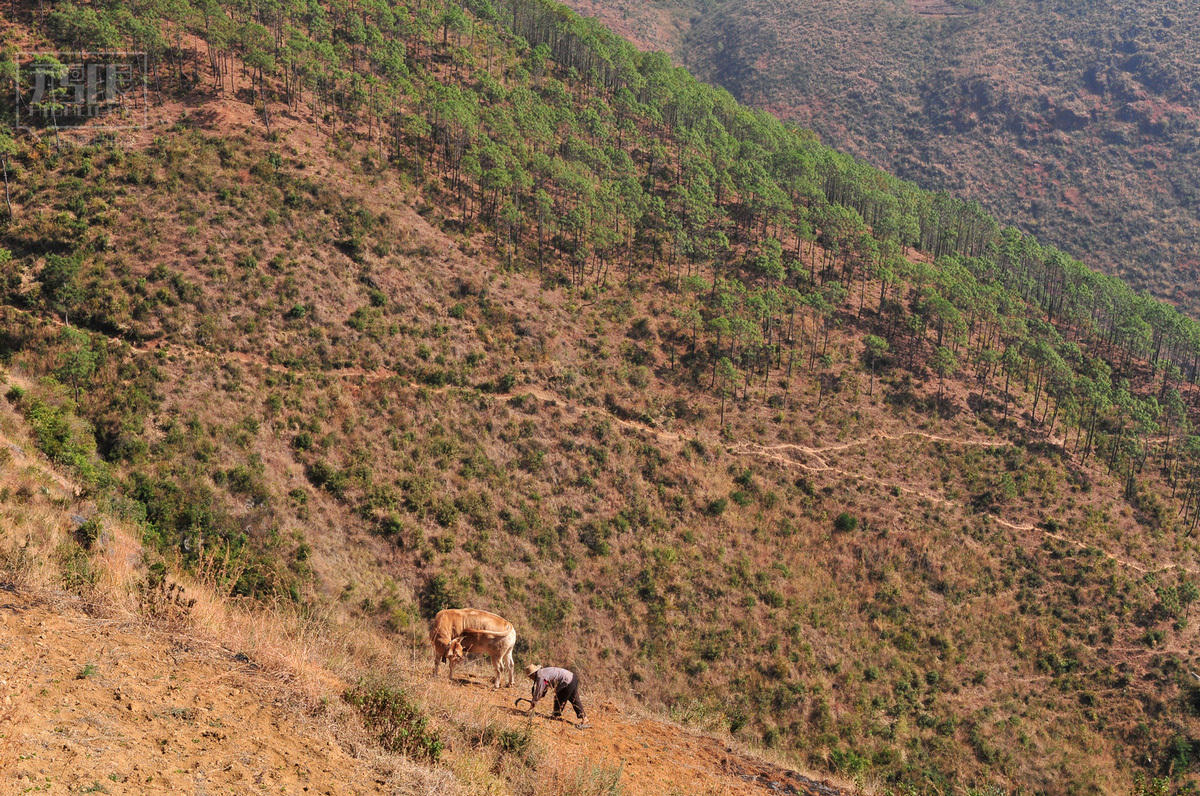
point(817, 464)
point(654, 757)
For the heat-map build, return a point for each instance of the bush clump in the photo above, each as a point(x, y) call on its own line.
point(397, 723)
point(438, 592)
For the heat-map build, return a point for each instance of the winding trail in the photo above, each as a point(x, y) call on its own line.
point(817, 461)
point(818, 464)
point(817, 454)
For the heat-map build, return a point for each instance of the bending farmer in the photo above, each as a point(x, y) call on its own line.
point(564, 683)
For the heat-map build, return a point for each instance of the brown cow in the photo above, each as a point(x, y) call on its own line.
point(450, 624)
point(496, 645)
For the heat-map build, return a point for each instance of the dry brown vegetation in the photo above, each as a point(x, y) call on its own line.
point(108, 685)
point(330, 394)
point(608, 534)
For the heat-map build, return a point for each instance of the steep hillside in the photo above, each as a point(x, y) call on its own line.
point(414, 307)
point(112, 683)
point(115, 710)
point(1078, 122)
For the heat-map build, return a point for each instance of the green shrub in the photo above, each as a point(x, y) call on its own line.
point(505, 383)
point(1182, 751)
point(241, 480)
point(61, 436)
point(75, 565)
point(445, 512)
point(438, 592)
point(773, 598)
point(398, 724)
point(392, 526)
point(324, 475)
point(593, 536)
point(518, 743)
point(548, 613)
point(845, 522)
point(88, 533)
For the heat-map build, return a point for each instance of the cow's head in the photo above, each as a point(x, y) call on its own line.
point(455, 651)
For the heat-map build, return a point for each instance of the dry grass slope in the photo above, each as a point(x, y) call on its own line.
point(106, 686)
point(869, 574)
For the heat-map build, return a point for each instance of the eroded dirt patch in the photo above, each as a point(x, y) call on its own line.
point(88, 702)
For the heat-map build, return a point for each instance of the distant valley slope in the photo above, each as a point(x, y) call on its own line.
point(1076, 121)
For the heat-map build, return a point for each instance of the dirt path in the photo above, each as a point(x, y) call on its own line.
point(370, 376)
point(817, 461)
point(817, 454)
point(651, 757)
point(818, 464)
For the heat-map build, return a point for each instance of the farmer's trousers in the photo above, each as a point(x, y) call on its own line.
point(568, 693)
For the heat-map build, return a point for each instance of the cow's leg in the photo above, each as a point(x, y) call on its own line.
point(450, 662)
point(498, 665)
point(437, 660)
point(509, 665)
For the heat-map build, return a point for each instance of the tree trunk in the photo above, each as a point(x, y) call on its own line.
point(7, 197)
